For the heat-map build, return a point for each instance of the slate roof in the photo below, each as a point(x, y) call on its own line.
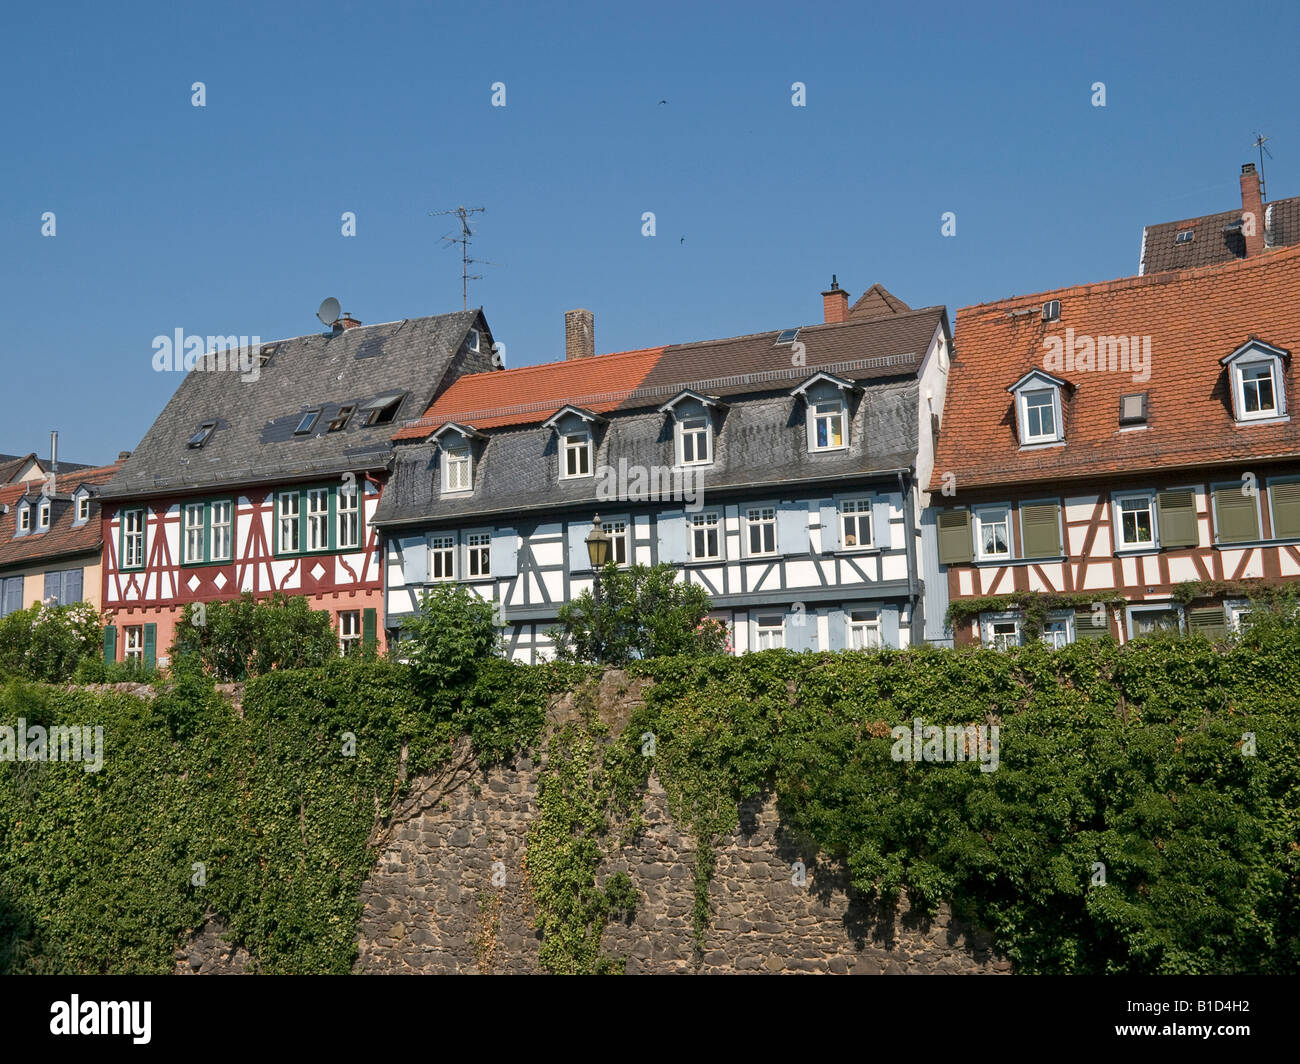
point(1210, 245)
point(11, 465)
point(61, 538)
point(255, 441)
point(1194, 319)
point(760, 443)
point(876, 301)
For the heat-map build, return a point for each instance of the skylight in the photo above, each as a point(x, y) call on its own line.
point(1133, 409)
point(1186, 236)
point(1052, 310)
point(264, 355)
point(787, 336)
point(308, 422)
point(342, 418)
point(382, 411)
point(202, 434)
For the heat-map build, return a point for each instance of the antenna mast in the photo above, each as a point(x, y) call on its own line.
point(1259, 143)
point(466, 232)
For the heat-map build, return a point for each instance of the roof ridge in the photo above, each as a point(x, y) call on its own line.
point(658, 349)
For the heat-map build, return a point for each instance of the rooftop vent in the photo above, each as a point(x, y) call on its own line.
point(1133, 408)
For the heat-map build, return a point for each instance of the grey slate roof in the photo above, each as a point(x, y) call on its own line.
point(255, 441)
point(1211, 245)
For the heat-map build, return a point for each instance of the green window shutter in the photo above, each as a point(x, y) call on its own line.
point(1040, 528)
point(1086, 628)
point(368, 639)
point(955, 545)
point(1236, 517)
point(1209, 621)
point(150, 646)
point(110, 644)
point(1286, 509)
point(1176, 514)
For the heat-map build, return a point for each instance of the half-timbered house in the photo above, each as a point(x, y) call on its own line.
point(1126, 449)
point(271, 484)
point(782, 471)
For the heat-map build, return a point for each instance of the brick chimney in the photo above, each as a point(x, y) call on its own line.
point(835, 303)
point(1252, 210)
point(345, 322)
point(579, 334)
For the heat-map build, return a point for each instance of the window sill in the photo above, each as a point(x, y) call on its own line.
point(206, 565)
point(987, 563)
point(1248, 544)
point(1039, 445)
point(1273, 420)
point(713, 561)
point(869, 548)
point(1133, 552)
point(827, 450)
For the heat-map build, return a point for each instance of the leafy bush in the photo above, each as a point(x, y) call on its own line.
point(644, 612)
point(249, 637)
point(47, 642)
point(454, 630)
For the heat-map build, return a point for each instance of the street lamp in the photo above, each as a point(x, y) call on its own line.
point(598, 542)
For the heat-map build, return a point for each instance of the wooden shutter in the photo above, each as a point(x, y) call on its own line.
point(830, 518)
point(415, 559)
point(791, 528)
point(801, 629)
point(1209, 621)
point(72, 585)
point(1176, 514)
point(955, 546)
point(150, 646)
point(110, 644)
point(1086, 628)
point(579, 559)
point(1236, 518)
point(1286, 509)
point(671, 531)
point(368, 638)
point(505, 552)
point(837, 629)
point(1040, 529)
point(889, 627)
point(53, 588)
point(882, 530)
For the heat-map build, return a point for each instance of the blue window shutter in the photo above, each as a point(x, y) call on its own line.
point(889, 627)
point(801, 636)
point(671, 528)
point(53, 587)
point(830, 519)
point(792, 528)
point(505, 552)
point(579, 560)
point(150, 646)
point(415, 559)
point(72, 585)
point(836, 622)
point(881, 531)
point(13, 594)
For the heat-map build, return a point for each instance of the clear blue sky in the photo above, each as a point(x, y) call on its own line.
point(226, 219)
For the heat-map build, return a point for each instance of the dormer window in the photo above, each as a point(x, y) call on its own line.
point(1037, 396)
point(693, 413)
point(828, 426)
point(83, 508)
point(1255, 374)
point(24, 518)
point(471, 340)
point(826, 397)
point(43, 516)
point(201, 435)
point(457, 473)
point(576, 458)
point(694, 444)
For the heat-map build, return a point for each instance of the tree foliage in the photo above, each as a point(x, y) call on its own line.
point(247, 637)
point(47, 642)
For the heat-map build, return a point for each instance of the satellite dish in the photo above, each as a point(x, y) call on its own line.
point(329, 311)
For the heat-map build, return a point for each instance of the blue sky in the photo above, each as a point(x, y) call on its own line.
point(225, 219)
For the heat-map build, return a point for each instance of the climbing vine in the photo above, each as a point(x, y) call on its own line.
point(1035, 605)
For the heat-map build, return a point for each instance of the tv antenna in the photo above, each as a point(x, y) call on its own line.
point(1259, 143)
point(463, 240)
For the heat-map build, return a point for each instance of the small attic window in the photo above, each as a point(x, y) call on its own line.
point(342, 418)
point(1133, 409)
point(264, 355)
point(1185, 236)
point(471, 340)
point(308, 422)
point(1052, 310)
point(382, 411)
point(202, 434)
point(787, 337)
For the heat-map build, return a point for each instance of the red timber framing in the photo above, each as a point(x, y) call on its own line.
point(337, 579)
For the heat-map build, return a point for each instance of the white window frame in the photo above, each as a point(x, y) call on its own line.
point(865, 631)
point(1064, 618)
point(188, 530)
point(133, 539)
point(478, 554)
point(442, 555)
point(43, 515)
point(349, 630)
point(766, 520)
point(318, 519)
point(619, 535)
point(996, 641)
point(1274, 367)
point(769, 636)
point(349, 517)
point(219, 526)
point(457, 468)
point(133, 643)
point(1117, 522)
point(1234, 610)
point(816, 414)
point(977, 520)
point(1028, 438)
point(576, 443)
point(700, 431)
point(83, 509)
point(287, 516)
point(1135, 609)
point(863, 506)
point(24, 518)
point(700, 522)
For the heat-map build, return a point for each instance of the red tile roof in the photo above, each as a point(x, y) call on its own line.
point(62, 538)
point(1194, 318)
point(532, 393)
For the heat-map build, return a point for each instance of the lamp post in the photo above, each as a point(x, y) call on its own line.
point(598, 543)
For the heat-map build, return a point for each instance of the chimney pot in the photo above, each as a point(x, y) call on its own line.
point(579, 334)
point(345, 322)
point(835, 303)
point(122, 456)
point(1252, 210)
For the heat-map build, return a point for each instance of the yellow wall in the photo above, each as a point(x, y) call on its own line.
point(34, 577)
